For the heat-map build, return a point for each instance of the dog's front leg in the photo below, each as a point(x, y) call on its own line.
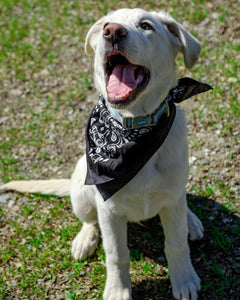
point(184, 280)
point(114, 234)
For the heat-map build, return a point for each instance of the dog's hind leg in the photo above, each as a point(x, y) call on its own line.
point(82, 198)
point(86, 241)
point(195, 227)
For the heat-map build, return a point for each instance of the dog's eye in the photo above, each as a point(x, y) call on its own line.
point(146, 26)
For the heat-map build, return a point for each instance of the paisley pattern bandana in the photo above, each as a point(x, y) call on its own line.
point(115, 154)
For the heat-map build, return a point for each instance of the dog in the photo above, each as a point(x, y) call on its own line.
point(134, 70)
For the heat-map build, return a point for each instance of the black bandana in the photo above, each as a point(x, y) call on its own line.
point(116, 154)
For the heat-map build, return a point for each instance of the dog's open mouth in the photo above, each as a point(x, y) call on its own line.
point(124, 80)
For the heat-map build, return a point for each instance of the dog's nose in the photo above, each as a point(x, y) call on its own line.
point(113, 32)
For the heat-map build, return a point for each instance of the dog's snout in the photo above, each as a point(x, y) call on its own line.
point(114, 32)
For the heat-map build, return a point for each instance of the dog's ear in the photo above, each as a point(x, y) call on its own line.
point(189, 45)
point(92, 35)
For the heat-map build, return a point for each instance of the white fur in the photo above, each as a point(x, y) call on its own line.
point(58, 187)
point(159, 187)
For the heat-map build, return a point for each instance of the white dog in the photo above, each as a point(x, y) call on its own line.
point(135, 69)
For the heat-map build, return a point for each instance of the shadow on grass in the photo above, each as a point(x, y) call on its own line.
point(216, 257)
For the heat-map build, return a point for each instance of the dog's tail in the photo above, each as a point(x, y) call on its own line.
point(57, 187)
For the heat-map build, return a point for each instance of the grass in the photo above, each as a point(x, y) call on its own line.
point(45, 78)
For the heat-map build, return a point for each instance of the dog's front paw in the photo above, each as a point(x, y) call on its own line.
point(85, 243)
point(195, 227)
point(186, 286)
point(117, 294)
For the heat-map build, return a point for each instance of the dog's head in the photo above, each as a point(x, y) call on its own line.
point(135, 55)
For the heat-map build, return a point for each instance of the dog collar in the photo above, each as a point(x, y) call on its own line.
point(141, 121)
point(185, 88)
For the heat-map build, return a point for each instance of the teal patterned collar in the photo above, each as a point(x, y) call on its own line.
point(185, 88)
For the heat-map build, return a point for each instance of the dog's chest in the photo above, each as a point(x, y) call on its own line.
point(144, 196)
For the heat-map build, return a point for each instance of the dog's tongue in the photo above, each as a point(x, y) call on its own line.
point(123, 81)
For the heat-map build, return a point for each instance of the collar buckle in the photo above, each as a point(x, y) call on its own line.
point(137, 122)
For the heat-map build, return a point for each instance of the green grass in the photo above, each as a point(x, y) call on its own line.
point(45, 77)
